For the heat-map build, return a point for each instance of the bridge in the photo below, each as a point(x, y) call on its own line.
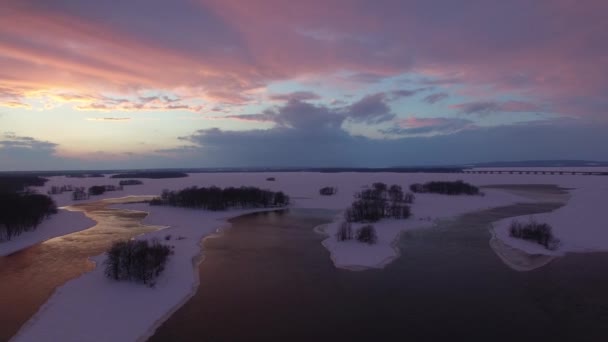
point(537, 172)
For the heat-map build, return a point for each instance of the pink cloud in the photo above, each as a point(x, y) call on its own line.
point(220, 50)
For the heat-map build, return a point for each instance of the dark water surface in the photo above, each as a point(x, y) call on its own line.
point(29, 277)
point(268, 278)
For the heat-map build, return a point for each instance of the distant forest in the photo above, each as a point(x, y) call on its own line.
point(151, 175)
point(20, 209)
point(446, 188)
point(19, 183)
point(214, 198)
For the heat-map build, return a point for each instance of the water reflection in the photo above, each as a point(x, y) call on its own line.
point(518, 259)
point(268, 278)
point(515, 258)
point(29, 277)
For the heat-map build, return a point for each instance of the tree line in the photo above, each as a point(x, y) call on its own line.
point(215, 198)
point(365, 234)
point(22, 212)
point(328, 191)
point(379, 202)
point(136, 260)
point(541, 233)
point(130, 182)
point(16, 183)
point(446, 188)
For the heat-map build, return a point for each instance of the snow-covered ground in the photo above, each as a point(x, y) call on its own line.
point(427, 210)
point(580, 225)
point(62, 223)
point(303, 188)
point(133, 311)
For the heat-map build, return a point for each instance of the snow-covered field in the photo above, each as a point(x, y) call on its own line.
point(74, 311)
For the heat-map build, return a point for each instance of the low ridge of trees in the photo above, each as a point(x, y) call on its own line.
point(409, 198)
point(96, 190)
point(328, 191)
point(56, 190)
point(345, 231)
point(379, 202)
point(367, 234)
point(79, 194)
point(215, 198)
point(541, 233)
point(446, 188)
point(85, 175)
point(136, 260)
point(271, 179)
point(130, 182)
point(151, 175)
point(22, 212)
point(17, 183)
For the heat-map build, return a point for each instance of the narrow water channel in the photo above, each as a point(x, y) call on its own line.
point(29, 277)
point(269, 279)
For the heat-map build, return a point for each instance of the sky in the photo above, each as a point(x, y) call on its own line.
point(88, 84)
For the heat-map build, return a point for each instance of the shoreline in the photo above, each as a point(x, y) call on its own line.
point(427, 209)
point(58, 228)
point(178, 279)
point(93, 259)
point(516, 256)
point(321, 229)
point(196, 262)
point(65, 222)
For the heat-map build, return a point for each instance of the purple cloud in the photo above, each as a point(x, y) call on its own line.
point(433, 98)
point(490, 107)
point(298, 95)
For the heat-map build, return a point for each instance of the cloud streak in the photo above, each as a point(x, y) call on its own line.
point(242, 47)
point(107, 119)
point(414, 126)
point(490, 107)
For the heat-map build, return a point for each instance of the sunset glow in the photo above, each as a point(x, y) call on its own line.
point(208, 83)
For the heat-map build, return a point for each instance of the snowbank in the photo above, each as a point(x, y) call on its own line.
point(581, 225)
point(129, 311)
point(62, 223)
